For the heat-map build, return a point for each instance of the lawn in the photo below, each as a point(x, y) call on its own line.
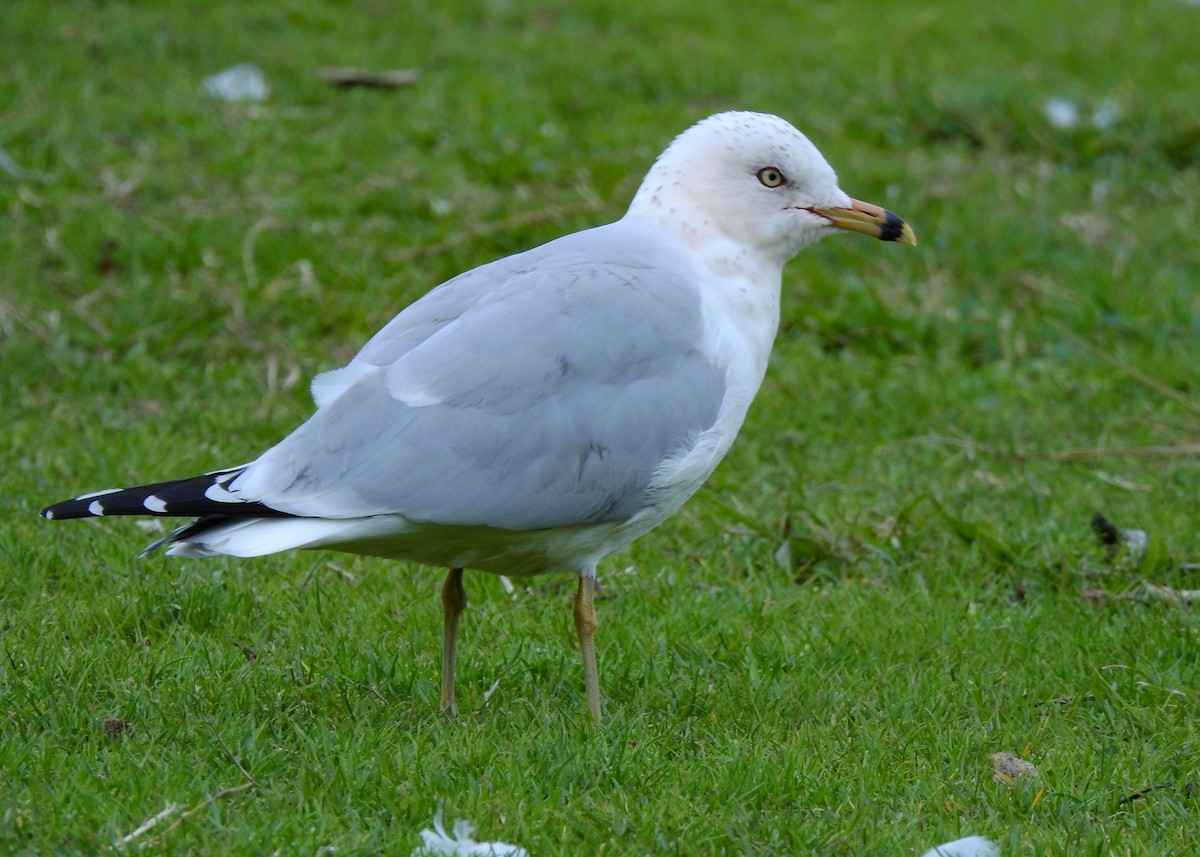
point(892, 577)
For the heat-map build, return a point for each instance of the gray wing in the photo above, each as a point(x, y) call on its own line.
point(540, 391)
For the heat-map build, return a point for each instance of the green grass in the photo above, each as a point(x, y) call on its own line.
point(937, 428)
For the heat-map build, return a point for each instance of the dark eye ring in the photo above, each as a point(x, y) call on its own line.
point(771, 177)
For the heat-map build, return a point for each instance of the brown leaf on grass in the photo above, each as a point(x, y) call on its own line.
point(248, 652)
point(115, 729)
point(1146, 593)
point(1009, 770)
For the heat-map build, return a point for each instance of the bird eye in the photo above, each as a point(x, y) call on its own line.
point(771, 177)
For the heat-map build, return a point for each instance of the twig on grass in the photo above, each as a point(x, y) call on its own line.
point(1144, 593)
point(249, 242)
point(172, 808)
point(169, 810)
point(229, 752)
point(971, 448)
point(374, 691)
point(1171, 595)
point(487, 694)
point(1163, 451)
point(221, 795)
point(960, 440)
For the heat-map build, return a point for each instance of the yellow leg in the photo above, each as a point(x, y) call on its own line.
point(585, 624)
point(454, 600)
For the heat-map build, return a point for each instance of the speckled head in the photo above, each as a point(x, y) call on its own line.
point(754, 180)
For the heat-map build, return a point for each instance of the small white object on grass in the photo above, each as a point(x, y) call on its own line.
point(1061, 113)
point(1136, 540)
point(971, 846)
point(436, 843)
point(542, 411)
point(244, 82)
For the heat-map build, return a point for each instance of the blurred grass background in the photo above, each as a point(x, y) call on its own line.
point(890, 579)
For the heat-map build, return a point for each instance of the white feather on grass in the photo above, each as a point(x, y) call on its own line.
point(436, 843)
point(971, 846)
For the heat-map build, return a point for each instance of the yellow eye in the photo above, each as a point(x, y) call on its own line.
point(771, 177)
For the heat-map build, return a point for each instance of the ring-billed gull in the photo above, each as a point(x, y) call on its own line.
point(539, 412)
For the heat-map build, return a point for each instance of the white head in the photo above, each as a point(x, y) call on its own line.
point(753, 179)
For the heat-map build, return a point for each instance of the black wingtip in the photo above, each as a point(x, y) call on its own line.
point(195, 496)
point(68, 509)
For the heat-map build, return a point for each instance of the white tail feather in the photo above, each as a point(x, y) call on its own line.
point(262, 536)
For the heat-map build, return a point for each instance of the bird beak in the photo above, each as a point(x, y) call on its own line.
point(869, 220)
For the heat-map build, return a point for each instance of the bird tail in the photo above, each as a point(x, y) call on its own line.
point(206, 498)
point(195, 496)
point(226, 522)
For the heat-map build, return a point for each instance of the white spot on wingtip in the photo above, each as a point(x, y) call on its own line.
point(94, 508)
point(155, 503)
point(217, 493)
point(48, 515)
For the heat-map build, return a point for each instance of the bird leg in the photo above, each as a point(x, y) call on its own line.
point(585, 625)
point(454, 600)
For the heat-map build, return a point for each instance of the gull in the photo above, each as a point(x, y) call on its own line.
point(539, 412)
